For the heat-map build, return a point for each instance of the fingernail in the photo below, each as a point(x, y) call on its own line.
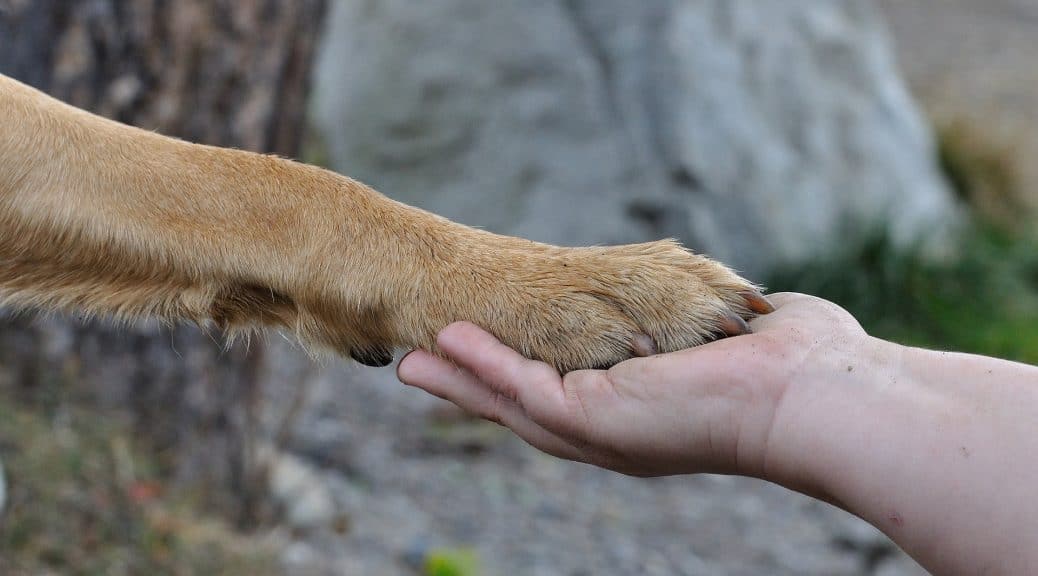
point(400, 369)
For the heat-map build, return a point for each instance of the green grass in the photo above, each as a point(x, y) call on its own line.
point(984, 301)
point(451, 562)
point(83, 500)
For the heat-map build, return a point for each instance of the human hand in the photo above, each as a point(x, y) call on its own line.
point(936, 449)
point(708, 409)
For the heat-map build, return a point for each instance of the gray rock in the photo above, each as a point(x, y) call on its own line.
point(3, 488)
point(900, 565)
point(854, 534)
point(761, 133)
point(298, 489)
point(301, 559)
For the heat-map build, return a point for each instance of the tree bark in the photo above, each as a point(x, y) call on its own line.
point(221, 72)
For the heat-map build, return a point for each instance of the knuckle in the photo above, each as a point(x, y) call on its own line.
point(494, 409)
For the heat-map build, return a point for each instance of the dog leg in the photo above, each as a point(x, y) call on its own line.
point(103, 218)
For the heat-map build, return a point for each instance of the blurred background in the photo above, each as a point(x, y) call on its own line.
point(874, 153)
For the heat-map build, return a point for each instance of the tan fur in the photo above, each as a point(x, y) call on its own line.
point(103, 218)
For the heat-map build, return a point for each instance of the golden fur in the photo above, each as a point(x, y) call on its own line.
point(103, 218)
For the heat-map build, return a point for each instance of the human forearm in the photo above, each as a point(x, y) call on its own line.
point(936, 449)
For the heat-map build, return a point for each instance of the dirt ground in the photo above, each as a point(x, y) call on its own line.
point(972, 61)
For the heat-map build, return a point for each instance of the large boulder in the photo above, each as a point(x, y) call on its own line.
point(762, 133)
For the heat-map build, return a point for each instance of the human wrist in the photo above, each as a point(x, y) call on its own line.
point(832, 406)
point(896, 441)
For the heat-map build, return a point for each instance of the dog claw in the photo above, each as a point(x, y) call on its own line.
point(757, 302)
point(643, 345)
point(376, 357)
point(733, 325)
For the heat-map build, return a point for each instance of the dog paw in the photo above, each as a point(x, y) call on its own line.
point(578, 308)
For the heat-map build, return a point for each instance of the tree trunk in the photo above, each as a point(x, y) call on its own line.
point(212, 71)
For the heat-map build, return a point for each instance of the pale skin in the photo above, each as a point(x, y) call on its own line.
point(939, 450)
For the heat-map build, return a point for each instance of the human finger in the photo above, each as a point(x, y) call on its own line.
point(443, 379)
point(536, 386)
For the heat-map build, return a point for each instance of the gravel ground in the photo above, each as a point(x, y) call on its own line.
point(405, 475)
